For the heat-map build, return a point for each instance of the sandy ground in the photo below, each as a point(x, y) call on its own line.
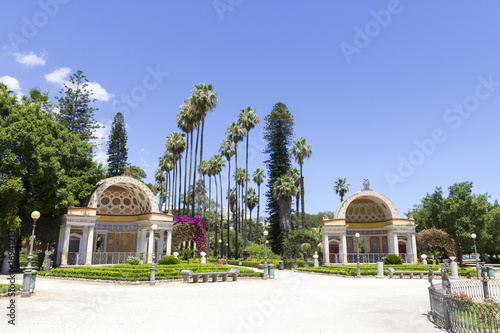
point(292, 302)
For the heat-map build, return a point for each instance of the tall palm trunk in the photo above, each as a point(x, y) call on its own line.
point(216, 240)
point(228, 200)
point(258, 213)
point(250, 227)
point(246, 195)
point(302, 198)
point(221, 220)
point(209, 212)
point(174, 182)
point(236, 212)
point(180, 183)
point(194, 172)
point(186, 172)
point(201, 159)
point(297, 212)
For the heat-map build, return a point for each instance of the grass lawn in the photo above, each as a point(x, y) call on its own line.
point(4, 288)
point(127, 272)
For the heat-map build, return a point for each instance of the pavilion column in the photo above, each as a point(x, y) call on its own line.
point(344, 248)
point(414, 248)
point(396, 247)
point(380, 245)
point(160, 243)
point(326, 249)
point(64, 255)
point(169, 242)
point(151, 246)
point(90, 246)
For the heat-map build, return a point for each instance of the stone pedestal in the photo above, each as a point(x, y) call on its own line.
point(454, 271)
point(380, 270)
point(6, 263)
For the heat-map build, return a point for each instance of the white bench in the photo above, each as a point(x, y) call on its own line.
point(186, 274)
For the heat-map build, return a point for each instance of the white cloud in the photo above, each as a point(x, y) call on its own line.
point(58, 75)
point(11, 82)
point(31, 59)
point(99, 92)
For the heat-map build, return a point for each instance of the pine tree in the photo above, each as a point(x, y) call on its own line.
point(117, 147)
point(278, 133)
point(75, 113)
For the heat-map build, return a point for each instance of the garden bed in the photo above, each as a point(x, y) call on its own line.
point(139, 272)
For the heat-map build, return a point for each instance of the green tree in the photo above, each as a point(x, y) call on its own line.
point(43, 167)
point(460, 214)
point(341, 187)
point(278, 132)
point(293, 245)
point(75, 112)
point(301, 150)
point(284, 189)
point(117, 147)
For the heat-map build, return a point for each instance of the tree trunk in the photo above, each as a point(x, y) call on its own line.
point(228, 202)
point(216, 210)
point(258, 213)
point(246, 195)
point(250, 227)
point(209, 212)
point(305, 259)
point(221, 220)
point(200, 196)
point(188, 144)
point(236, 212)
point(194, 172)
point(302, 198)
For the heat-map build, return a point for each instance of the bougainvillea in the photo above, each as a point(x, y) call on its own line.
point(189, 229)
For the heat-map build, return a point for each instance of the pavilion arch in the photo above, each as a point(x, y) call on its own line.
point(389, 211)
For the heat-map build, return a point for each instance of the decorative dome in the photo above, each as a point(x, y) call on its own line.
point(123, 195)
point(366, 206)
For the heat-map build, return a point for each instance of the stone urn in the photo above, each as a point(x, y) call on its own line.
point(316, 262)
point(203, 260)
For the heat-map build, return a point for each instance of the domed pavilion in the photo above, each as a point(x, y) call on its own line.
point(381, 230)
point(117, 223)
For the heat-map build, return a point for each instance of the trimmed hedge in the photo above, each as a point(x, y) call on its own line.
point(139, 272)
point(5, 288)
point(371, 269)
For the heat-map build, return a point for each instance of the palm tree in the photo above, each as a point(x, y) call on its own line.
point(284, 188)
point(231, 199)
point(247, 119)
point(218, 163)
point(176, 144)
point(251, 200)
point(295, 173)
point(301, 150)
point(205, 170)
point(159, 180)
point(341, 188)
point(227, 150)
point(185, 122)
point(235, 133)
point(204, 99)
point(258, 178)
point(240, 176)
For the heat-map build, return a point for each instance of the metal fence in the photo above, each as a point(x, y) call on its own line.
point(365, 258)
point(465, 306)
point(76, 258)
point(109, 258)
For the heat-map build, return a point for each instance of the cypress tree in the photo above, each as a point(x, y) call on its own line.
point(278, 133)
point(117, 147)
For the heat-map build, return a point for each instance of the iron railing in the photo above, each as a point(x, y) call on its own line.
point(465, 306)
point(76, 258)
point(365, 258)
point(335, 258)
point(110, 258)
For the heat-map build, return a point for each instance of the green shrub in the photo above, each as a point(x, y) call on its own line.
point(169, 260)
point(132, 260)
point(392, 259)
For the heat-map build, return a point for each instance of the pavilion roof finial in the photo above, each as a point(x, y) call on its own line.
point(366, 185)
point(127, 170)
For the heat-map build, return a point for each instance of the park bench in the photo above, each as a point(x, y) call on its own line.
point(392, 271)
point(186, 274)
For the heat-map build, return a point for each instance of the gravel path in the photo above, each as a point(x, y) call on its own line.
point(292, 302)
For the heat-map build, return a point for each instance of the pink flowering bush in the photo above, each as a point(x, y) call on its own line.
point(189, 229)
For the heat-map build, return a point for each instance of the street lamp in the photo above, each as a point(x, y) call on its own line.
point(357, 250)
point(28, 271)
point(227, 252)
point(218, 248)
point(473, 236)
point(153, 267)
point(265, 254)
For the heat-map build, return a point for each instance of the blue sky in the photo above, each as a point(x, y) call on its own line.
point(404, 93)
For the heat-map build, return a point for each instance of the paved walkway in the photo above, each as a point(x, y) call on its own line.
point(293, 302)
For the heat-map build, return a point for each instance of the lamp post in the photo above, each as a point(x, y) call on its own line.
point(265, 255)
point(220, 244)
point(473, 236)
point(357, 250)
point(227, 252)
point(153, 266)
point(29, 271)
